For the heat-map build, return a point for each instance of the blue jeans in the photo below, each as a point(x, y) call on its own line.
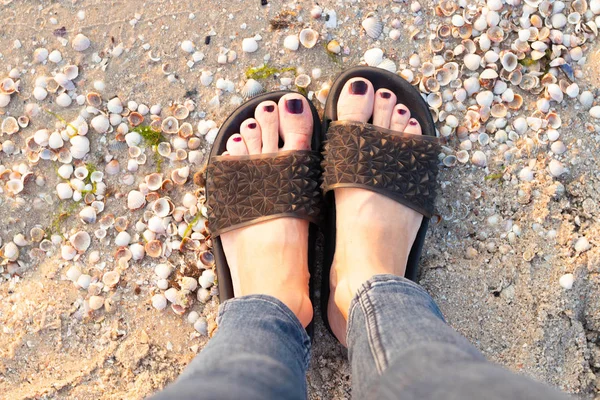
point(399, 347)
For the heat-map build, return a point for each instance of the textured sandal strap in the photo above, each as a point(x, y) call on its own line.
point(246, 190)
point(400, 166)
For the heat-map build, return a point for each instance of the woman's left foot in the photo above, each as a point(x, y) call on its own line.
point(271, 257)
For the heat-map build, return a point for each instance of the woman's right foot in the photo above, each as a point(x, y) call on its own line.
point(374, 233)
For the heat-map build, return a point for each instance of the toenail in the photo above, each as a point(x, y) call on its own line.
point(237, 139)
point(269, 108)
point(385, 95)
point(252, 125)
point(358, 87)
point(294, 106)
point(401, 111)
point(413, 122)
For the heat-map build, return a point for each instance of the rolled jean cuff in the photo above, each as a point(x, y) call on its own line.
point(258, 310)
point(387, 283)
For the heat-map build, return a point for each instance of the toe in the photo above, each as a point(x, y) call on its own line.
point(251, 132)
point(295, 122)
point(267, 116)
point(236, 145)
point(400, 117)
point(356, 101)
point(413, 127)
point(385, 101)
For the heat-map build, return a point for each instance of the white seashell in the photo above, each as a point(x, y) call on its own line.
point(80, 146)
point(395, 34)
point(162, 207)
point(163, 271)
point(251, 88)
point(372, 26)
point(4, 99)
point(526, 174)
point(71, 71)
point(64, 100)
point(595, 112)
point(558, 21)
point(170, 125)
point(207, 279)
point(88, 215)
point(494, 5)
point(80, 42)
point(189, 200)
point(73, 273)
point(123, 239)
point(582, 244)
point(157, 224)
point(586, 98)
point(291, 42)
point(373, 57)
point(302, 81)
point(479, 159)
point(485, 98)
point(10, 252)
point(555, 93)
point(249, 45)
point(414, 61)
point(206, 78)
point(135, 200)
point(137, 251)
point(159, 301)
point(203, 295)
point(187, 46)
point(388, 65)
point(84, 281)
point(171, 294)
point(188, 283)
point(458, 20)
point(566, 281)
point(193, 317)
point(114, 105)
point(552, 134)
point(558, 147)
point(524, 35)
point(64, 191)
point(509, 61)
point(39, 93)
point(308, 37)
point(14, 186)
point(488, 74)
point(80, 241)
point(472, 61)
point(55, 56)
point(40, 55)
point(65, 171)
point(112, 168)
point(96, 302)
point(556, 168)
point(201, 326)
point(100, 123)
point(9, 125)
point(595, 6)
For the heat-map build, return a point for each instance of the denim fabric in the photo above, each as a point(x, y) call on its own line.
point(260, 351)
point(399, 347)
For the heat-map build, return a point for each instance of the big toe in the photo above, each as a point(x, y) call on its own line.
point(356, 101)
point(295, 122)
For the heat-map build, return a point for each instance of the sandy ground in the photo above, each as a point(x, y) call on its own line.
point(502, 293)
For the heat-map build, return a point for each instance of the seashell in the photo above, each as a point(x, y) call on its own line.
point(509, 61)
point(122, 239)
point(114, 105)
point(8, 86)
point(372, 25)
point(554, 92)
point(111, 278)
point(495, 34)
point(207, 258)
point(558, 147)
point(308, 37)
point(100, 123)
point(334, 47)
point(94, 99)
point(181, 112)
point(316, 12)
point(388, 65)
point(180, 175)
point(499, 110)
point(444, 31)
point(252, 88)
point(291, 42)
point(64, 191)
point(64, 100)
point(479, 159)
point(207, 279)
point(170, 125)
point(153, 248)
point(88, 215)
point(135, 200)
point(96, 302)
point(302, 81)
point(187, 46)
point(120, 224)
point(516, 77)
point(80, 43)
point(14, 186)
point(373, 57)
point(449, 161)
point(162, 207)
point(135, 118)
point(23, 121)
point(488, 74)
point(163, 271)
point(80, 241)
point(159, 301)
point(249, 45)
point(472, 61)
point(71, 71)
point(10, 125)
point(529, 82)
point(434, 100)
point(154, 181)
point(556, 168)
point(485, 98)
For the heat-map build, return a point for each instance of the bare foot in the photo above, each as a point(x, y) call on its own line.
point(374, 233)
point(272, 257)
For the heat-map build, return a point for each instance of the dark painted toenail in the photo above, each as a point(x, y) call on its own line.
point(252, 125)
point(385, 95)
point(401, 111)
point(294, 106)
point(269, 108)
point(413, 122)
point(359, 87)
point(237, 139)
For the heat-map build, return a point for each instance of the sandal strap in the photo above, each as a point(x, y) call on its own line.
point(401, 166)
point(250, 189)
